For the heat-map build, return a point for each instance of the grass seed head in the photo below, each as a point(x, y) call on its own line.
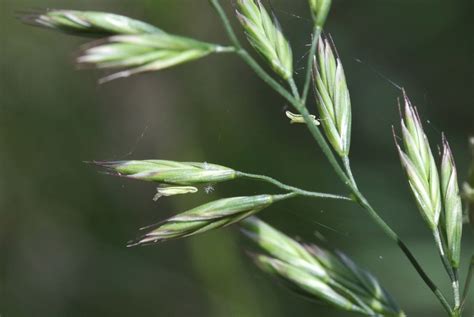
point(419, 163)
point(280, 246)
point(310, 270)
point(130, 45)
point(170, 172)
point(89, 23)
point(304, 283)
point(143, 53)
point(265, 35)
point(216, 214)
point(452, 205)
point(333, 98)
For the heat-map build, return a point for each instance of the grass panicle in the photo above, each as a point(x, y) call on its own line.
point(127, 46)
point(420, 166)
point(452, 205)
point(169, 172)
point(333, 98)
point(265, 35)
point(317, 273)
point(143, 53)
point(89, 23)
point(215, 214)
point(430, 193)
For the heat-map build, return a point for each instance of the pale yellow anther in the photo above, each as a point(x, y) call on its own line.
point(297, 118)
point(174, 190)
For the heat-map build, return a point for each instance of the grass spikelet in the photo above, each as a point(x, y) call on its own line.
point(265, 35)
point(452, 205)
point(169, 172)
point(419, 163)
point(317, 273)
point(143, 53)
point(89, 23)
point(333, 98)
point(215, 214)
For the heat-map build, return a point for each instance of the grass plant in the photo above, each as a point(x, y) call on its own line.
point(128, 47)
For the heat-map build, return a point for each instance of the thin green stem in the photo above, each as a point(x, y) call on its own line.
point(456, 290)
point(468, 283)
point(441, 250)
point(314, 43)
point(293, 87)
point(225, 21)
point(347, 167)
point(289, 188)
point(225, 49)
point(284, 196)
point(318, 136)
point(452, 273)
point(269, 80)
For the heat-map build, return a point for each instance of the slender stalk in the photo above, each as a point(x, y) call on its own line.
point(347, 167)
point(393, 235)
point(294, 88)
point(289, 188)
point(307, 81)
point(284, 196)
point(452, 273)
point(225, 21)
point(318, 136)
point(250, 61)
point(468, 283)
point(456, 290)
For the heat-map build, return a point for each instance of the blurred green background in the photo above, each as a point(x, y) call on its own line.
point(63, 226)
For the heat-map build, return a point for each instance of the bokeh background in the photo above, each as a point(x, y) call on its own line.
point(63, 226)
